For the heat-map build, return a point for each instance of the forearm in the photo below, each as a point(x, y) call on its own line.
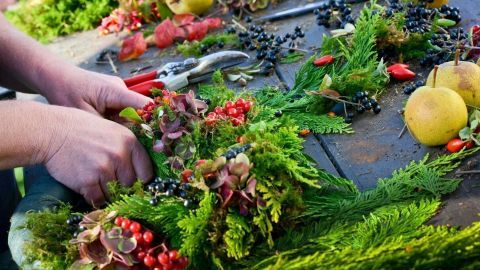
point(27, 131)
point(29, 65)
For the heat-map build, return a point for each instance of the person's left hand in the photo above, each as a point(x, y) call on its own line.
point(94, 92)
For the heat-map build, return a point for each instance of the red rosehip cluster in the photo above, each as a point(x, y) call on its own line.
point(232, 111)
point(120, 19)
point(130, 19)
point(147, 111)
point(149, 257)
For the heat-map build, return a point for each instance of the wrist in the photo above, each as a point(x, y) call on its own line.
point(33, 132)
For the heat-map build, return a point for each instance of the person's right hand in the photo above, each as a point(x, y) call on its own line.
point(86, 152)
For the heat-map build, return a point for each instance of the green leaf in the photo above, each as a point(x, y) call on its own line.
point(446, 23)
point(465, 133)
point(164, 11)
point(131, 114)
point(326, 82)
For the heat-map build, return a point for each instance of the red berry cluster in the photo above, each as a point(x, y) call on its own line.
point(149, 257)
point(232, 111)
point(130, 19)
point(146, 112)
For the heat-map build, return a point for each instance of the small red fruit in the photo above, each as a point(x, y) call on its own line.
point(126, 224)
point(138, 236)
point(218, 110)
point(163, 258)
point(118, 221)
point(239, 103)
point(141, 255)
point(182, 261)
point(304, 132)
point(455, 145)
point(212, 115)
point(173, 255)
point(236, 122)
point(247, 106)
point(325, 60)
point(148, 237)
point(469, 144)
point(186, 174)
point(232, 112)
point(228, 105)
point(397, 66)
point(135, 227)
point(149, 260)
point(402, 74)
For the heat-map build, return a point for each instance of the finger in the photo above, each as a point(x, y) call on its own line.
point(122, 98)
point(126, 173)
point(88, 108)
point(141, 163)
point(93, 194)
point(105, 178)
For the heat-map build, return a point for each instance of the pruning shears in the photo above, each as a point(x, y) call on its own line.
point(176, 75)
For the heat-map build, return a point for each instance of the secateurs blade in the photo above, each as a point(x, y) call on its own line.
point(176, 75)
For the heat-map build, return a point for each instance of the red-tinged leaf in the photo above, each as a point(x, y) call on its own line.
point(175, 135)
point(213, 23)
point(132, 47)
point(226, 194)
point(243, 209)
point(96, 252)
point(183, 19)
point(166, 33)
point(158, 146)
point(196, 31)
point(244, 196)
point(251, 184)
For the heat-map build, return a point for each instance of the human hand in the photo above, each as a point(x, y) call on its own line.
point(93, 92)
point(85, 152)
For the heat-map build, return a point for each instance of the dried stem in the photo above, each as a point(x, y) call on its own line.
point(110, 61)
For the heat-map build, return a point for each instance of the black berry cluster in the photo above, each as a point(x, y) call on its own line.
point(268, 46)
point(451, 13)
point(334, 8)
point(232, 153)
point(365, 103)
point(409, 89)
point(169, 187)
point(444, 46)
point(73, 226)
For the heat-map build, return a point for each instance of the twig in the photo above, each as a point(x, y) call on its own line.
point(239, 25)
point(468, 172)
point(339, 100)
point(296, 49)
point(474, 107)
point(139, 69)
point(403, 131)
point(110, 61)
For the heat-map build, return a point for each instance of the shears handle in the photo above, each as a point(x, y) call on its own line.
point(138, 79)
point(146, 87)
point(144, 83)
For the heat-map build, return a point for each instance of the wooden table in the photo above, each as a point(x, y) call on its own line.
point(374, 150)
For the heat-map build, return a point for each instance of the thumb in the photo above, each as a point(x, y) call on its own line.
point(122, 97)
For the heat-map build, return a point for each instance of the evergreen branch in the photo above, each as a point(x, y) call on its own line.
point(417, 180)
point(194, 230)
point(321, 124)
point(238, 238)
point(162, 218)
